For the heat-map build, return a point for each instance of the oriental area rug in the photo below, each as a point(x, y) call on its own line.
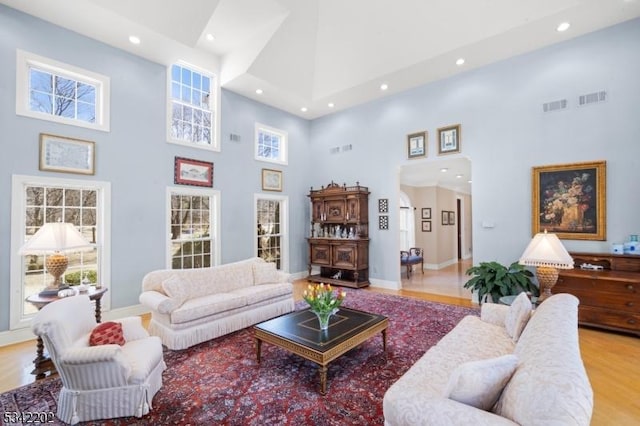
point(220, 382)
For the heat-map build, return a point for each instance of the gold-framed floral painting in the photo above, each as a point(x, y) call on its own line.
point(570, 200)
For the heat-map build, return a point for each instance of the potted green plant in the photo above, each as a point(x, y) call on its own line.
point(492, 280)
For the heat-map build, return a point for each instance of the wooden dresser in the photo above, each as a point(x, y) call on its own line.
point(339, 241)
point(609, 298)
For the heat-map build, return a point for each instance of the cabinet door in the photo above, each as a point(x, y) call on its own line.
point(320, 254)
point(317, 210)
point(353, 209)
point(335, 210)
point(345, 256)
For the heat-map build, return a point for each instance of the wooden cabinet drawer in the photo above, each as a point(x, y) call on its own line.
point(604, 317)
point(615, 295)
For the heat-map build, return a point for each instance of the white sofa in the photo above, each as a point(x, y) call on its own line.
point(548, 387)
point(190, 306)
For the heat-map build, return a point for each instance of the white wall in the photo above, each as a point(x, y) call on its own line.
point(504, 133)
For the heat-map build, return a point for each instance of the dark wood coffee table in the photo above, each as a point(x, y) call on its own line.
point(299, 332)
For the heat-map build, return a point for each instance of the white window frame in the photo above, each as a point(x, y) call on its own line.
point(214, 218)
point(214, 105)
point(407, 210)
point(18, 203)
point(26, 60)
point(283, 158)
point(284, 226)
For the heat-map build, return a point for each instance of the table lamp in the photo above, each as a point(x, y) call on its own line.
point(53, 240)
point(547, 254)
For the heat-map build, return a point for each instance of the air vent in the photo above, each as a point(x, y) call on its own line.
point(348, 147)
point(592, 98)
point(554, 105)
point(334, 150)
point(234, 138)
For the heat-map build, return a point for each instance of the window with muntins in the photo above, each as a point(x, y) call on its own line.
point(40, 201)
point(192, 229)
point(271, 144)
point(193, 102)
point(271, 229)
point(58, 92)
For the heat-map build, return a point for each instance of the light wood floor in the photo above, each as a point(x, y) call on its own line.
point(612, 360)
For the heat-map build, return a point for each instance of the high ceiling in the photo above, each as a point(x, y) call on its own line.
point(309, 53)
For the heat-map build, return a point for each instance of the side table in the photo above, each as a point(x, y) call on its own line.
point(42, 363)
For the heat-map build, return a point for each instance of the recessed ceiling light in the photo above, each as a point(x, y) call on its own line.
point(459, 176)
point(460, 61)
point(259, 91)
point(384, 86)
point(444, 169)
point(330, 105)
point(134, 39)
point(563, 27)
point(469, 181)
point(210, 37)
point(303, 109)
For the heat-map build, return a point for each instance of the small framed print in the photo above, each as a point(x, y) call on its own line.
point(383, 222)
point(271, 180)
point(426, 213)
point(383, 205)
point(417, 144)
point(449, 139)
point(452, 218)
point(426, 226)
point(66, 155)
point(193, 172)
point(445, 217)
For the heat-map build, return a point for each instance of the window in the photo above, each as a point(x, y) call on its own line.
point(193, 227)
point(37, 201)
point(272, 229)
point(407, 220)
point(271, 144)
point(62, 93)
point(193, 107)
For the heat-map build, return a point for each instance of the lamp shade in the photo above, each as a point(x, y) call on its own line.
point(56, 238)
point(546, 250)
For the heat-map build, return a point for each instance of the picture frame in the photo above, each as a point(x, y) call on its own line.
point(426, 226)
point(570, 200)
point(383, 205)
point(417, 145)
point(452, 218)
point(271, 180)
point(187, 171)
point(66, 155)
point(383, 222)
point(445, 217)
point(449, 138)
point(426, 213)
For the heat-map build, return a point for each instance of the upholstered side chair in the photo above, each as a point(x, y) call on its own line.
point(103, 381)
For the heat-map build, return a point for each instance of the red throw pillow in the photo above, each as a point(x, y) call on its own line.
point(107, 333)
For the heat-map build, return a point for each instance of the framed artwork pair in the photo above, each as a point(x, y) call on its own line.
point(448, 142)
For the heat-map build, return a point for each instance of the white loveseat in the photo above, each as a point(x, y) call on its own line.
point(191, 306)
point(549, 385)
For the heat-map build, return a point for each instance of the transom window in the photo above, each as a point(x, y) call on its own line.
point(193, 104)
point(271, 144)
point(59, 92)
point(39, 201)
point(192, 229)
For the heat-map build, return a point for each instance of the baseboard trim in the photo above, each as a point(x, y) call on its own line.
point(389, 285)
point(25, 334)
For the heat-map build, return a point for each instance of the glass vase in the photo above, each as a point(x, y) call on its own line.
point(323, 317)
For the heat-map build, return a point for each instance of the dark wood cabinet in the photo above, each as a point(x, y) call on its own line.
point(610, 297)
point(338, 241)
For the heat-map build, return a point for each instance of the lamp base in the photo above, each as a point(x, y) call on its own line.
point(547, 277)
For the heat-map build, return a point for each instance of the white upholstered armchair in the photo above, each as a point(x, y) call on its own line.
point(99, 382)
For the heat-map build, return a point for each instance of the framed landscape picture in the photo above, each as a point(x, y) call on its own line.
point(66, 155)
point(271, 180)
point(193, 172)
point(449, 139)
point(570, 200)
point(426, 226)
point(426, 212)
point(417, 144)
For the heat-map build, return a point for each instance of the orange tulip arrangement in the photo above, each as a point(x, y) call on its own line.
point(322, 299)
